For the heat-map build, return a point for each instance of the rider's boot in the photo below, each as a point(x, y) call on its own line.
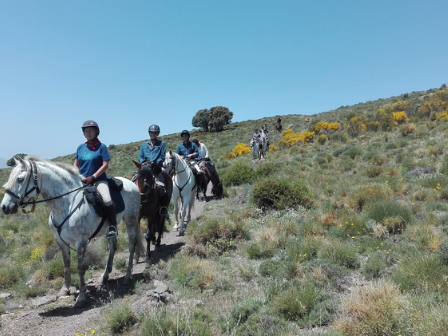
point(111, 230)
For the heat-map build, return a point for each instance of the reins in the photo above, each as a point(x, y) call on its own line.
point(189, 176)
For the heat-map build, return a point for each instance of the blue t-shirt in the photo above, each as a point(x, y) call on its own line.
point(90, 160)
point(151, 153)
point(186, 149)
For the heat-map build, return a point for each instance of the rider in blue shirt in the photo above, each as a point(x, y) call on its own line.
point(92, 159)
point(154, 152)
point(187, 149)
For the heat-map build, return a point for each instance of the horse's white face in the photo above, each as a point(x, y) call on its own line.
point(16, 188)
point(169, 163)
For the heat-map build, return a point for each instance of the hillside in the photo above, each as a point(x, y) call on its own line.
point(341, 230)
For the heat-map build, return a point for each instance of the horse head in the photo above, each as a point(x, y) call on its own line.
point(22, 187)
point(217, 190)
point(170, 163)
point(145, 177)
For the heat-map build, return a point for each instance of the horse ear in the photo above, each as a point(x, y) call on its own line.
point(137, 164)
point(19, 160)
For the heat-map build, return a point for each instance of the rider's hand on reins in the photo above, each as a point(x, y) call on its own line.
point(89, 179)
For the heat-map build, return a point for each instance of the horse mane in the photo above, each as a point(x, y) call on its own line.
point(72, 170)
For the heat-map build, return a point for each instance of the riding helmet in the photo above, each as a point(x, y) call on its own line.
point(185, 132)
point(91, 123)
point(154, 128)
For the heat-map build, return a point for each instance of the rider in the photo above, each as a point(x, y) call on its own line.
point(203, 155)
point(188, 150)
point(92, 159)
point(202, 149)
point(266, 133)
point(154, 151)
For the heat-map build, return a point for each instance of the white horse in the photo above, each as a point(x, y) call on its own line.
point(184, 188)
point(72, 220)
point(259, 147)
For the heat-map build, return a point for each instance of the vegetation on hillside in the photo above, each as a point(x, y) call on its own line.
point(341, 231)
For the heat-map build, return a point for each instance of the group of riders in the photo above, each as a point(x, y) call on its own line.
point(92, 159)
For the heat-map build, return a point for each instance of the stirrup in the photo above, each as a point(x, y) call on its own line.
point(163, 211)
point(112, 232)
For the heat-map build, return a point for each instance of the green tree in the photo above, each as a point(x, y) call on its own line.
point(219, 116)
point(11, 162)
point(201, 119)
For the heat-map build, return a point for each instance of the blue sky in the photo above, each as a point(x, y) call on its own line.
point(129, 64)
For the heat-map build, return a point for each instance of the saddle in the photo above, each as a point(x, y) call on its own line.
point(93, 196)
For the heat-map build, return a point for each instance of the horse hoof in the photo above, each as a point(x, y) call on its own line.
point(181, 233)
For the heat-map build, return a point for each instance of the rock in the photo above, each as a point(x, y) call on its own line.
point(43, 300)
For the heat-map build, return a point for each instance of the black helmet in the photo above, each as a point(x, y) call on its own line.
point(185, 132)
point(91, 123)
point(154, 128)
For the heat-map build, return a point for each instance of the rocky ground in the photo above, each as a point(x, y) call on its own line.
point(56, 316)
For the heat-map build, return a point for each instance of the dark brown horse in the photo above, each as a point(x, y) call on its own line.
point(151, 203)
point(278, 127)
point(209, 175)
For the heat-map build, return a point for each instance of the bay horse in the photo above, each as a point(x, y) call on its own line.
point(72, 219)
point(209, 175)
point(278, 127)
point(184, 189)
point(151, 204)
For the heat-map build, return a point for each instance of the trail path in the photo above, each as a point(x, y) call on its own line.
point(51, 316)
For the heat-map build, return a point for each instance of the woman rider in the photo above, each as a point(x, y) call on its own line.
point(92, 159)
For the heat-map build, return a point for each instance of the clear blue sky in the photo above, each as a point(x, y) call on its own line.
point(129, 64)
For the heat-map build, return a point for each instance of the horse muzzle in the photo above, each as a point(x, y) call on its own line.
point(10, 209)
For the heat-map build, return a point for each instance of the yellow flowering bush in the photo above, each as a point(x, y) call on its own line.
point(289, 138)
point(239, 149)
point(400, 116)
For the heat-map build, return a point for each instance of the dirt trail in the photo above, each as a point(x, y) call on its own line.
point(51, 316)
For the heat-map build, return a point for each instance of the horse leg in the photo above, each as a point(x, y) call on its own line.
point(182, 217)
point(148, 243)
point(161, 221)
point(112, 243)
point(81, 251)
point(176, 214)
point(133, 243)
point(65, 250)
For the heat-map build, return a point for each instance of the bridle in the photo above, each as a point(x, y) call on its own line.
point(173, 162)
point(34, 175)
point(173, 166)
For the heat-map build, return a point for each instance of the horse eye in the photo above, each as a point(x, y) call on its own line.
point(20, 179)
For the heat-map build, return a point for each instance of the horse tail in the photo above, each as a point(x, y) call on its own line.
point(139, 247)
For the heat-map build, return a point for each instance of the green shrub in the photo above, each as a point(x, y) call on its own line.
point(390, 213)
point(266, 169)
point(369, 192)
point(421, 272)
point(340, 253)
point(10, 273)
point(443, 252)
point(217, 235)
point(376, 262)
point(193, 322)
point(278, 194)
point(374, 309)
point(271, 267)
point(374, 171)
point(354, 152)
point(119, 318)
point(297, 301)
point(238, 174)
